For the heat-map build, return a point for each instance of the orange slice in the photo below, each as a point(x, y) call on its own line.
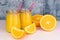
point(17, 33)
point(48, 22)
point(36, 19)
point(30, 29)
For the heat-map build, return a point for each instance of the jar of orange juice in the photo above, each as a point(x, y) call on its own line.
point(12, 20)
point(25, 18)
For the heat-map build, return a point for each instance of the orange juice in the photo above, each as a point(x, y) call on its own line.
point(25, 18)
point(12, 20)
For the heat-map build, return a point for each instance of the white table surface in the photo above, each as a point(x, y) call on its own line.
point(38, 35)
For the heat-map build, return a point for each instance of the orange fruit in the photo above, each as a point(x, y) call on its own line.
point(17, 33)
point(30, 29)
point(48, 22)
point(36, 19)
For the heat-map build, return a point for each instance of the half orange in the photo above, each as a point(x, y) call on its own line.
point(36, 19)
point(48, 22)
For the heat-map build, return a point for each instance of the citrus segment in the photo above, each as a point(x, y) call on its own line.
point(48, 22)
point(17, 33)
point(30, 29)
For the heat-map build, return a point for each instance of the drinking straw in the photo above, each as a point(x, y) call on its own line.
point(19, 8)
point(30, 8)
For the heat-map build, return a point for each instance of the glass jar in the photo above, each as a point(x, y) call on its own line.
point(12, 20)
point(26, 18)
